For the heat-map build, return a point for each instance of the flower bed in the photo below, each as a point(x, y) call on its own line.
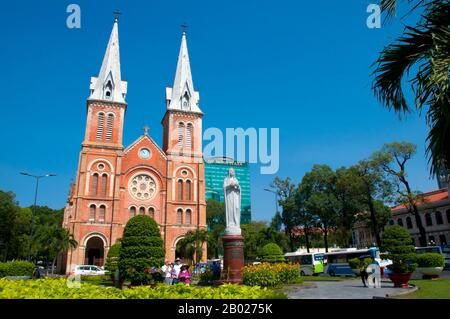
point(49, 288)
point(271, 275)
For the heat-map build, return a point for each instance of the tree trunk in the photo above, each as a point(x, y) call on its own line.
point(422, 232)
point(373, 218)
point(325, 236)
point(53, 264)
point(306, 239)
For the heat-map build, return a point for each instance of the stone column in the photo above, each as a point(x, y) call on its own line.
point(233, 259)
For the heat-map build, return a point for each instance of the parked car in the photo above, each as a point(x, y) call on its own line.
point(89, 270)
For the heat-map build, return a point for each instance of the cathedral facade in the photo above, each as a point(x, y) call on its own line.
point(114, 183)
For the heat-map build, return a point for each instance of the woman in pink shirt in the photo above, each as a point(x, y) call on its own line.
point(184, 275)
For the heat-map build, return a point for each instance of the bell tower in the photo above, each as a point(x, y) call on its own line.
point(94, 205)
point(182, 143)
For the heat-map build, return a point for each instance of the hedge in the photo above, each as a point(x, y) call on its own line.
point(50, 288)
point(430, 260)
point(16, 268)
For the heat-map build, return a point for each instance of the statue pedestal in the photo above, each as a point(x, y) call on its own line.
point(233, 259)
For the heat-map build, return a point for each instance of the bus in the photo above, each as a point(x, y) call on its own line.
point(311, 264)
point(336, 262)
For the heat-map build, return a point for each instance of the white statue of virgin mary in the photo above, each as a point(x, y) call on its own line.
point(232, 196)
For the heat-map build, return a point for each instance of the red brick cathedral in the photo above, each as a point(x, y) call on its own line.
point(115, 183)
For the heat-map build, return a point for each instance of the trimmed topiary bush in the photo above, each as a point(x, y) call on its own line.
point(112, 260)
point(272, 253)
point(142, 251)
point(16, 268)
point(397, 243)
point(430, 260)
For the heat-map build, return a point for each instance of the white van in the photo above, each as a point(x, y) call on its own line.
point(88, 270)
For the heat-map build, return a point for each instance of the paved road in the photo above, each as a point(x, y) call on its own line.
point(346, 289)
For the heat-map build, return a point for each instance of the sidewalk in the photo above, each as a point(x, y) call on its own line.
point(346, 289)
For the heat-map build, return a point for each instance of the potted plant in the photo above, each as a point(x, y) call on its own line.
point(430, 265)
point(397, 244)
point(354, 265)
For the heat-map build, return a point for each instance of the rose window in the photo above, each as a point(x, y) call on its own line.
point(142, 187)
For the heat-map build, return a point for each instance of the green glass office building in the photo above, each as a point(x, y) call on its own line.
point(216, 169)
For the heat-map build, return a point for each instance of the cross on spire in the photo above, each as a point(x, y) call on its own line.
point(146, 128)
point(116, 15)
point(184, 27)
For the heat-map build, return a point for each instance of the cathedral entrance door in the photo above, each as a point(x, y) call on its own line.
point(95, 252)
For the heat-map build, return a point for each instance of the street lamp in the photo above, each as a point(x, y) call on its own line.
point(33, 211)
point(276, 198)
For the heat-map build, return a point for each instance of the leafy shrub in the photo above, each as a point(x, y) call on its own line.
point(271, 275)
point(397, 243)
point(112, 260)
point(50, 288)
point(272, 253)
point(142, 249)
point(207, 277)
point(16, 268)
point(430, 260)
point(356, 263)
point(181, 291)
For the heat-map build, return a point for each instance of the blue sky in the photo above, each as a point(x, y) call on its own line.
point(302, 67)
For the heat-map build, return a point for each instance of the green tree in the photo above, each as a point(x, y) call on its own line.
point(193, 243)
point(215, 218)
point(252, 239)
point(305, 218)
point(288, 216)
point(53, 240)
point(8, 213)
point(398, 245)
point(421, 58)
point(373, 186)
point(142, 248)
point(392, 158)
point(320, 187)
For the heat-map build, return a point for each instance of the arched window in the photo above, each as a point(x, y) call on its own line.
point(409, 222)
point(151, 212)
point(180, 189)
point(186, 105)
point(104, 182)
point(180, 134)
point(188, 190)
point(108, 90)
point(391, 222)
point(428, 220)
point(400, 222)
point(94, 184)
point(443, 240)
point(109, 127)
point(92, 209)
point(189, 130)
point(101, 123)
point(439, 219)
point(101, 214)
point(179, 216)
point(448, 216)
point(142, 211)
point(132, 211)
point(188, 216)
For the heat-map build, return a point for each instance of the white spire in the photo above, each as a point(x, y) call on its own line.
point(108, 86)
point(182, 95)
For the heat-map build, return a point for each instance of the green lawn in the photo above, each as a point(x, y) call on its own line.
point(430, 289)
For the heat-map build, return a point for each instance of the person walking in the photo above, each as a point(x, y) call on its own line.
point(363, 271)
point(185, 276)
point(167, 273)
